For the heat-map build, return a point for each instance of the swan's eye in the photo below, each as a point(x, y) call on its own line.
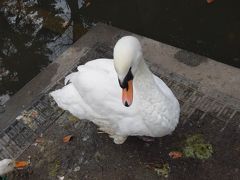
point(128, 77)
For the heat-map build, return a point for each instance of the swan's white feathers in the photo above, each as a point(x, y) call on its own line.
point(6, 166)
point(164, 88)
point(93, 93)
point(69, 99)
point(102, 101)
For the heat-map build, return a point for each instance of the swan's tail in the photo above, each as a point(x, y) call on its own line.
point(69, 99)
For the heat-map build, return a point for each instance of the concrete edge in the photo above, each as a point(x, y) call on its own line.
point(210, 75)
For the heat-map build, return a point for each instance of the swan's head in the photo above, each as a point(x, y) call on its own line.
point(127, 56)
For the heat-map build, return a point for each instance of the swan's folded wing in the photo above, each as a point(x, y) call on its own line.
point(101, 64)
point(163, 87)
point(69, 99)
point(97, 84)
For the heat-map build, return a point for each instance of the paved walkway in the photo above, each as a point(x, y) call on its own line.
point(207, 135)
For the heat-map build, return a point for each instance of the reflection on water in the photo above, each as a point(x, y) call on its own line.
point(34, 32)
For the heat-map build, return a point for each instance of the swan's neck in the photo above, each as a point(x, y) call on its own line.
point(144, 79)
point(145, 85)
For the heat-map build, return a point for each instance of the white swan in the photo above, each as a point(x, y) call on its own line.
point(148, 107)
point(9, 165)
point(6, 166)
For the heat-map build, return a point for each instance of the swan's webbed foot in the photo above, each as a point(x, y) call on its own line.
point(105, 130)
point(117, 139)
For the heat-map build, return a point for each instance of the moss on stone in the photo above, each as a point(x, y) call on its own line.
point(195, 146)
point(163, 171)
point(54, 168)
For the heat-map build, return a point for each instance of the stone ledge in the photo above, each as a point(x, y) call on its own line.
point(209, 103)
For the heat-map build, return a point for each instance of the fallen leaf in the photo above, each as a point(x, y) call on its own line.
point(30, 171)
point(175, 154)
point(21, 164)
point(39, 140)
point(34, 114)
point(210, 1)
point(65, 24)
point(88, 4)
point(67, 138)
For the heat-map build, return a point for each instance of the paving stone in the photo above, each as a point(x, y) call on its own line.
point(214, 116)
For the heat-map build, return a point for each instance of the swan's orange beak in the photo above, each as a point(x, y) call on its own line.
point(127, 94)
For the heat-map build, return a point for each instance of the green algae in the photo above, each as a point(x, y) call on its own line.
point(164, 170)
point(54, 168)
point(161, 169)
point(72, 118)
point(196, 147)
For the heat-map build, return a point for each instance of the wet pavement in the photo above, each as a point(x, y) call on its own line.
point(207, 135)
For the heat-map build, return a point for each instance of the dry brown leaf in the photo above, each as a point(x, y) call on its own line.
point(39, 140)
point(67, 138)
point(21, 164)
point(175, 154)
point(210, 1)
point(34, 114)
point(88, 4)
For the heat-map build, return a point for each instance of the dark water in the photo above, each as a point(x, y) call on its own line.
point(34, 32)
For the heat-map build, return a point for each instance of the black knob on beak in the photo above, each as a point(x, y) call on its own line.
point(128, 77)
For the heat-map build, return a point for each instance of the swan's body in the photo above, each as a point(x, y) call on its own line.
point(6, 166)
point(93, 93)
